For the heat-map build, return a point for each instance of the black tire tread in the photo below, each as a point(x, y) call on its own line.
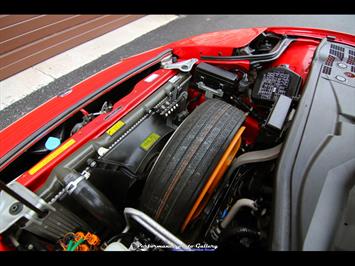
point(187, 161)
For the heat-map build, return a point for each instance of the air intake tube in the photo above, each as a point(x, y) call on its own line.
point(94, 201)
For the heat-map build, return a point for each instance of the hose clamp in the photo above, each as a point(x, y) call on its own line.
point(73, 184)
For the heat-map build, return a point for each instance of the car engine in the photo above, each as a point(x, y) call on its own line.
point(192, 167)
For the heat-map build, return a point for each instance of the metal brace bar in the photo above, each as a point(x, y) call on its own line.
point(209, 91)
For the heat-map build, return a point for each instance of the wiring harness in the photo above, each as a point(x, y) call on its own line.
point(79, 242)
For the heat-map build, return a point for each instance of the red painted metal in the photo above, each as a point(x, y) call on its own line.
point(298, 56)
point(98, 126)
point(243, 64)
point(252, 130)
point(16, 133)
point(196, 98)
point(215, 43)
point(3, 246)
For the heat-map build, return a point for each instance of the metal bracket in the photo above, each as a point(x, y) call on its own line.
point(57, 222)
point(167, 60)
point(209, 91)
point(183, 66)
point(8, 218)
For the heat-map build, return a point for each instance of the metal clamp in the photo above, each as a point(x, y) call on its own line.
point(184, 66)
point(73, 184)
point(17, 202)
point(209, 91)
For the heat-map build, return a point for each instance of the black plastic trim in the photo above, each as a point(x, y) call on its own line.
point(281, 231)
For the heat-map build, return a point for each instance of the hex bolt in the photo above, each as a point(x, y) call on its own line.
point(15, 208)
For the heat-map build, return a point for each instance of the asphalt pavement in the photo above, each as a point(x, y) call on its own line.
point(183, 27)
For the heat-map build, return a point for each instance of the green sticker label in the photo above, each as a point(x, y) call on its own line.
point(149, 141)
point(115, 128)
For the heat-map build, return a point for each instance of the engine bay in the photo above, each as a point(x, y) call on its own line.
point(109, 194)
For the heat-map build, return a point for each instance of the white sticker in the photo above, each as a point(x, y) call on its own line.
point(151, 77)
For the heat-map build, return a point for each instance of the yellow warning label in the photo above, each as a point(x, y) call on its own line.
point(51, 156)
point(149, 141)
point(115, 128)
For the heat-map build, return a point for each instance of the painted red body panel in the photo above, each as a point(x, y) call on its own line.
point(243, 64)
point(98, 126)
point(298, 56)
point(219, 43)
point(14, 134)
point(252, 130)
point(4, 247)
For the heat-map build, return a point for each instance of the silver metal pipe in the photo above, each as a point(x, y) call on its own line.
point(153, 227)
point(235, 208)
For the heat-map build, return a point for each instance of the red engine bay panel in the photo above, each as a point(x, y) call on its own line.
point(95, 128)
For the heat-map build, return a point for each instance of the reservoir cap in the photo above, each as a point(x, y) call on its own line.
point(52, 143)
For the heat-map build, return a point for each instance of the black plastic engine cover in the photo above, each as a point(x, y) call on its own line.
point(272, 83)
point(315, 181)
point(137, 150)
point(216, 78)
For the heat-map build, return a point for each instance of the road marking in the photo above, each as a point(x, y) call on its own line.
point(24, 83)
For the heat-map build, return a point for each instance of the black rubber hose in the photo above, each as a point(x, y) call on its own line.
point(239, 232)
point(95, 202)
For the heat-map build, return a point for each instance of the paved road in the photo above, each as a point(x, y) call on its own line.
point(183, 27)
